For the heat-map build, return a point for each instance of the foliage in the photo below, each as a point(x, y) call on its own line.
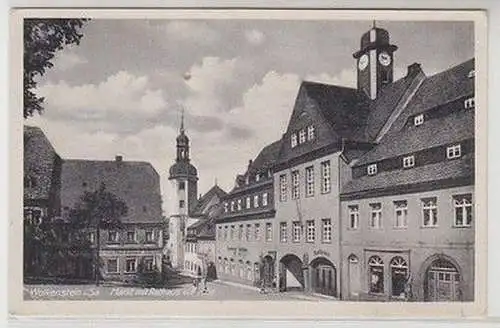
point(149, 278)
point(42, 39)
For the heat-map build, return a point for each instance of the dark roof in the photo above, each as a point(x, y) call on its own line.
point(450, 169)
point(136, 183)
point(435, 132)
point(39, 162)
point(345, 109)
point(204, 201)
point(267, 157)
point(183, 169)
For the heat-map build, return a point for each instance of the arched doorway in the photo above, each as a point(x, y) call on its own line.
point(376, 275)
point(354, 276)
point(399, 276)
point(442, 281)
point(291, 274)
point(211, 271)
point(324, 276)
point(267, 272)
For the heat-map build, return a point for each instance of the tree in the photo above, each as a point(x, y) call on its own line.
point(42, 39)
point(98, 210)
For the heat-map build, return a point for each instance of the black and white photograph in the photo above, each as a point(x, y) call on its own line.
point(249, 159)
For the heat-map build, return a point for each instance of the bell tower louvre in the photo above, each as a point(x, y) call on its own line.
point(375, 64)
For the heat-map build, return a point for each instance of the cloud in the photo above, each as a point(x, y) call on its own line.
point(346, 78)
point(254, 37)
point(191, 31)
point(66, 60)
point(122, 95)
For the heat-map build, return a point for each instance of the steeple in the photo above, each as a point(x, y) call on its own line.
point(182, 142)
point(181, 130)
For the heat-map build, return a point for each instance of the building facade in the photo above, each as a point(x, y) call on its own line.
point(245, 240)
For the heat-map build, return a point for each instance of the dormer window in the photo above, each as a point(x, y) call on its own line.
point(302, 136)
point(257, 177)
point(454, 151)
point(469, 103)
point(247, 180)
point(225, 207)
point(418, 120)
point(408, 161)
point(293, 140)
point(232, 206)
point(471, 74)
point(372, 169)
point(239, 204)
point(310, 132)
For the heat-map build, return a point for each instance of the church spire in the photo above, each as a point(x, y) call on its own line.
point(181, 130)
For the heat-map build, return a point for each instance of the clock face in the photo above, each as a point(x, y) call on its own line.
point(363, 62)
point(384, 58)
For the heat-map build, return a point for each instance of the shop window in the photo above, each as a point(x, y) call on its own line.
point(399, 276)
point(376, 275)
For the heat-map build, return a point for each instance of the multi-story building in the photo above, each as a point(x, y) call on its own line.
point(139, 240)
point(408, 210)
point(372, 188)
point(245, 241)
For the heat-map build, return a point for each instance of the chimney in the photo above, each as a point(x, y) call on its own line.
point(414, 69)
point(250, 163)
point(118, 158)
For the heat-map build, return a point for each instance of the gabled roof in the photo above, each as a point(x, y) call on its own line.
point(136, 183)
point(266, 158)
point(40, 163)
point(345, 109)
point(440, 131)
point(204, 201)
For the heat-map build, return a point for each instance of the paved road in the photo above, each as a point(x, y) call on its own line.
point(215, 291)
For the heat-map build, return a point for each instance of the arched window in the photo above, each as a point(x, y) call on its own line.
point(354, 276)
point(376, 275)
point(399, 276)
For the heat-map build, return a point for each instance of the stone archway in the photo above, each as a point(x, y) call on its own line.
point(291, 274)
point(323, 276)
point(442, 279)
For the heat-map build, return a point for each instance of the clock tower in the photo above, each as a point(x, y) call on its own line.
point(375, 61)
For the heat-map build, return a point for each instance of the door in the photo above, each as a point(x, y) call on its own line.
point(354, 276)
point(443, 282)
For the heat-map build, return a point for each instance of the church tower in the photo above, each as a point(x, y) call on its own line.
point(375, 61)
point(184, 189)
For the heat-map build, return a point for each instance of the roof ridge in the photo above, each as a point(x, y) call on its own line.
point(328, 85)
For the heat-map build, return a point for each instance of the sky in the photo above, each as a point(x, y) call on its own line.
point(120, 92)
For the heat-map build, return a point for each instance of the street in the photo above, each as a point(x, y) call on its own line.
point(216, 291)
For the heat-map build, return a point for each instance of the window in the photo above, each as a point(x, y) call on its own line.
point(283, 232)
point(240, 232)
point(463, 210)
point(257, 231)
point(112, 265)
point(297, 229)
point(295, 185)
point(409, 161)
point(309, 181)
point(469, 103)
point(325, 177)
point(418, 120)
point(264, 199)
point(182, 185)
point(182, 203)
point(327, 230)
point(225, 207)
point(148, 264)
point(429, 207)
point(293, 140)
point(310, 132)
point(130, 236)
point(233, 230)
point(130, 265)
point(149, 236)
point(283, 188)
point(232, 206)
point(302, 136)
point(33, 215)
point(91, 237)
point(113, 236)
point(401, 211)
point(248, 203)
point(247, 180)
point(239, 204)
point(376, 272)
point(247, 232)
point(257, 177)
point(225, 232)
point(219, 232)
point(256, 201)
point(353, 217)
point(453, 151)
point(311, 231)
point(269, 231)
point(371, 169)
point(376, 216)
